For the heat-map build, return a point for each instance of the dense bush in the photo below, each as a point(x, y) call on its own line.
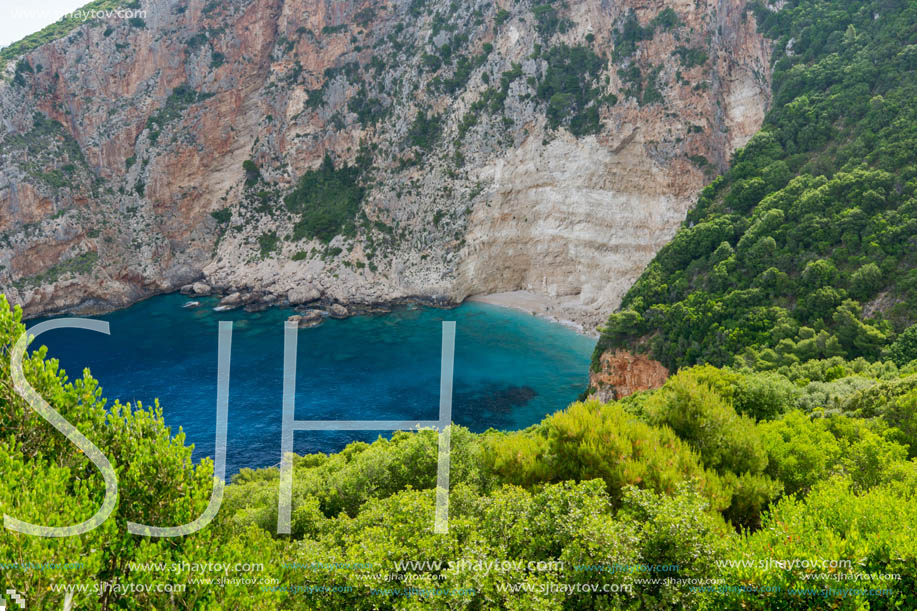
point(800, 450)
point(872, 531)
point(590, 440)
point(327, 200)
point(725, 440)
point(48, 481)
point(425, 130)
point(904, 348)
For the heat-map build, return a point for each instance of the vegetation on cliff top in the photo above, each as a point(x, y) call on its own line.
point(60, 28)
point(805, 248)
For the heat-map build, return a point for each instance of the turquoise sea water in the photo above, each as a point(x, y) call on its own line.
point(510, 370)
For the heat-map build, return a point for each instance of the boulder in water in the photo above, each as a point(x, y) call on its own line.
point(339, 311)
point(308, 319)
point(233, 299)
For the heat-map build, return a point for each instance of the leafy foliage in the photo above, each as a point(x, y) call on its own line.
point(252, 172)
point(904, 348)
point(222, 216)
point(48, 481)
point(548, 20)
point(635, 484)
point(816, 217)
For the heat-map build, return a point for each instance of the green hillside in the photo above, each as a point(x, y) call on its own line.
point(708, 480)
point(806, 247)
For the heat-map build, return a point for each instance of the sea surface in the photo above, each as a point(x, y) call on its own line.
point(511, 369)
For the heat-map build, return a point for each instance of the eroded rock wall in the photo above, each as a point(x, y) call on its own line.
point(121, 140)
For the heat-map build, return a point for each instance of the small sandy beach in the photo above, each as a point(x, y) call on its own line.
point(543, 306)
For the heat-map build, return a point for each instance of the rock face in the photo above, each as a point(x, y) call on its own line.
point(123, 145)
point(303, 294)
point(622, 373)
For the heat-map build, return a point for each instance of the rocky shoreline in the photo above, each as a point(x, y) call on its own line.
point(313, 306)
point(308, 299)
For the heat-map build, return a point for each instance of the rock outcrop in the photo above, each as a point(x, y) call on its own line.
point(121, 172)
point(307, 320)
point(622, 373)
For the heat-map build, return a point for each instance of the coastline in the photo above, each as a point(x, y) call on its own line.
point(540, 306)
point(545, 307)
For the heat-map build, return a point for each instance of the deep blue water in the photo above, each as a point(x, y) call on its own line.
point(510, 370)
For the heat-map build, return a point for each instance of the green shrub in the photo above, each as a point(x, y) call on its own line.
point(53, 483)
point(762, 396)
point(675, 530)
point(800, 451)
point(548, 22)
point(725, 440)
point(833, 522)
point(267, 243)
point(667, 19)
point(252, 172)
point(425, 130)
point(904, 349)
point(690, 56)
point(222, 216)
point(327, 200)
point(567, 88)
point(588, 441)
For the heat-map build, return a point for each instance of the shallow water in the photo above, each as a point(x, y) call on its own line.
point(510, 370)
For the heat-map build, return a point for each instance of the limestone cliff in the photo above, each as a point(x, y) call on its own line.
point(484, 147)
